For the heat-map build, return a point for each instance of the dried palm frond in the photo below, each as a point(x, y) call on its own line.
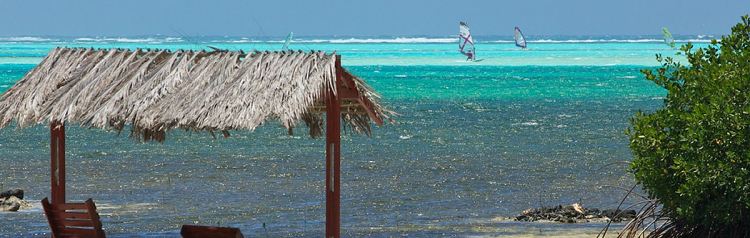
point(155, 91)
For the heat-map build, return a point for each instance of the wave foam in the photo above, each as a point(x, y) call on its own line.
point(150, 40)
point(25, 39)
point(396, 40)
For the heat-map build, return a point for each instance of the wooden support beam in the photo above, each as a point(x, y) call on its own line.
point(346, 79)
point(57, 161)
point(348, 93)
point(370, 111)
point(333, 162)
point(343, 93)
point(349, 82)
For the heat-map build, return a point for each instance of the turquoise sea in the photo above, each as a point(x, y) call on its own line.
point(475, 142)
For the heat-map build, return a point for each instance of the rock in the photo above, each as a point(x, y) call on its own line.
point(10, 204)
point(13, 192)
point(618, 215)
point(568, 220)
point(12, 201)
point(630, 214)
point(574, 213)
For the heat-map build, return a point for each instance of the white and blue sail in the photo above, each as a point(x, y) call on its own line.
point(520, 38)
point(465, 42)
point(668, 39)
point(288, 40)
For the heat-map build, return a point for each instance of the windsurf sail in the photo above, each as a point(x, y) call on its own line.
point(668, 39)
point(520, 39)
point(288, 40)
point(465, 42)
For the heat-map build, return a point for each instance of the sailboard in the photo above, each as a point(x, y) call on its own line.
point(465, 42)
point(520, 39)
point(668, 39)
point(288, 40)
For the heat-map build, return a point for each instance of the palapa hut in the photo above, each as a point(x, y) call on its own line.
point(155, 91)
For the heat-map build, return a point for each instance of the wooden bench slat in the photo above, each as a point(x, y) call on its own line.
point(73, 220)
point(79, 223)
point(69, 206)
point(71, 215)
point(190, 231)
point(79, 231)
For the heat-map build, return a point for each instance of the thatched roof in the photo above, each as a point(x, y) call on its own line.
point(155, 91)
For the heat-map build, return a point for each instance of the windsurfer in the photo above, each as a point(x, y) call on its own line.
point(470, 56)
point(465, 42)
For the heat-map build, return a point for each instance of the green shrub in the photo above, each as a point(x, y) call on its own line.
point(693, 155)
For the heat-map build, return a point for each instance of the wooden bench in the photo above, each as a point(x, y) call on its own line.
point(73, 219)
point(189, 231)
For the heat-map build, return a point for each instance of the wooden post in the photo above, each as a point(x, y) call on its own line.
point(333, 156)
point(57, 161)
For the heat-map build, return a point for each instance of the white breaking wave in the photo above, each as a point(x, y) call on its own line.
point(150, 40)
point(25, 39)
point(239, 41)
point(504, 41)
point(396, 40)
point(700, 40)
point(598, 41)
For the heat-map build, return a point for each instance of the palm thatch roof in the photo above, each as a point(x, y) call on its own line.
point(155, 91)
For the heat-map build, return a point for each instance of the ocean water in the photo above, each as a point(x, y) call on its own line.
point(475, 143)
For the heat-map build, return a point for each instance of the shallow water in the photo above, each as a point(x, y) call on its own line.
point(474, 142)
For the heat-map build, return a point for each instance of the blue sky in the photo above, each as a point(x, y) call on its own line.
point(366, 18)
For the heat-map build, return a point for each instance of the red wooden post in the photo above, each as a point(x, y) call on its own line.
point(57, 161)
point(333, 156)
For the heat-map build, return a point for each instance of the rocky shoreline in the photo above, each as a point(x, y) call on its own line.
point(574, 213)
point(12, 201)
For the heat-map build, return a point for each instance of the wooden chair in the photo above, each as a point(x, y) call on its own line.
point(189, 231)
point(73, 219)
